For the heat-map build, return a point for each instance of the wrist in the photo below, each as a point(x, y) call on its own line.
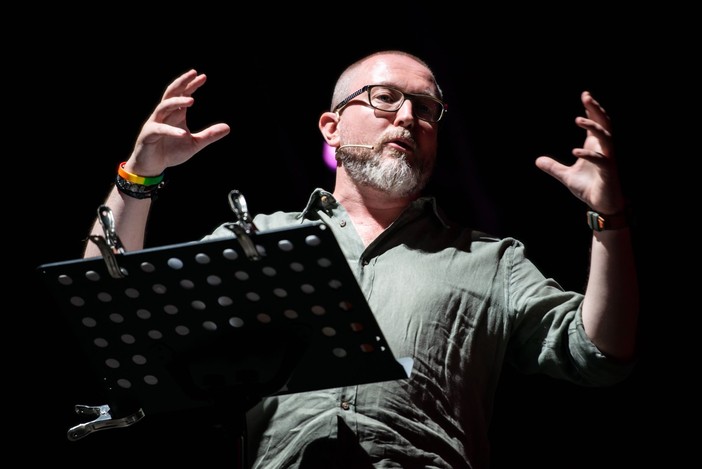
point(144, 178)
point(138, 186)
point(613, 221)
point(140, 169)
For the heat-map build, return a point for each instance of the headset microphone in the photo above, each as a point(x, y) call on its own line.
point(370, 147)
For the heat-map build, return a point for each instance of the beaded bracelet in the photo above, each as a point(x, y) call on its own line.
point(138, 187)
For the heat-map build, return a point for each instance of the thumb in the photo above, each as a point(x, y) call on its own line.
point(551, 167)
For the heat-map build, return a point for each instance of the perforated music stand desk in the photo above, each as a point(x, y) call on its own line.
point(201, 324)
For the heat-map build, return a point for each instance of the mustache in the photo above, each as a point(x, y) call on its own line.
point(402, 135)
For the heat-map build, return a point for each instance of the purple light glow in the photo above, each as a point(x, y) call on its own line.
point(328, 156)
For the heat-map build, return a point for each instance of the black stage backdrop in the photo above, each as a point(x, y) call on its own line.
point(513, 91)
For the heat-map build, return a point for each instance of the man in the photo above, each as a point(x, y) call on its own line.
point(458, 302)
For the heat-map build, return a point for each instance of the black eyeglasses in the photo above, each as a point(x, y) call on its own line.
point(389, 99)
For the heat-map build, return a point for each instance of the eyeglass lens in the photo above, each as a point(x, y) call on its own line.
point(390, 99)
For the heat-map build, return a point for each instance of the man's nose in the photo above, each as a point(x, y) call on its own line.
point(405, 115)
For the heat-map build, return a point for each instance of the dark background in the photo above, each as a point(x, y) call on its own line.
point(513, 88)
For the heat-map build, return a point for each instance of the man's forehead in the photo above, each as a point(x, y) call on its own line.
point(400, 71)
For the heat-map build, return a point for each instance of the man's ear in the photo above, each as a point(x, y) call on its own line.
point(329, 126)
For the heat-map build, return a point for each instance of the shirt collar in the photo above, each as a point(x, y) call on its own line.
point(322, 200)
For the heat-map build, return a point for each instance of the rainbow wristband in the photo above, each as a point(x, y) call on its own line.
point(141, 180)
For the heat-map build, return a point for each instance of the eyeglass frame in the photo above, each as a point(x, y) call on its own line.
point(344, 102)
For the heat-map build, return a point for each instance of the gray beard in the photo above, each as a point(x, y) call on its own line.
point(394, 176)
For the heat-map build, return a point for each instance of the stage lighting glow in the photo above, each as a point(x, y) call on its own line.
point(328, 156)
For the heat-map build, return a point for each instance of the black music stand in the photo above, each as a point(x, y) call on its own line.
point(220, 324)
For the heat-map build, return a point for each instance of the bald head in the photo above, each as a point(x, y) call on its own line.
point(353, 76)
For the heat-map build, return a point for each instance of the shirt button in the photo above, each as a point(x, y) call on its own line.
point(342, 223)
point(345, 405)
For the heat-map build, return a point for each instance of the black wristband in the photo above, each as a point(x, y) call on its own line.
point(138, 191)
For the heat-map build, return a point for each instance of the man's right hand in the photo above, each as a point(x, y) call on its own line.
point(165, 139)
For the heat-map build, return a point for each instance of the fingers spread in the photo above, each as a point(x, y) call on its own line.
point(185, 85)
point(595, 111)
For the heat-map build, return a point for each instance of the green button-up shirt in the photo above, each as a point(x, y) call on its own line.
point(459, 303)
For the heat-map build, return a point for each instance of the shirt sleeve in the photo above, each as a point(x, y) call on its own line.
point(547, 333)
